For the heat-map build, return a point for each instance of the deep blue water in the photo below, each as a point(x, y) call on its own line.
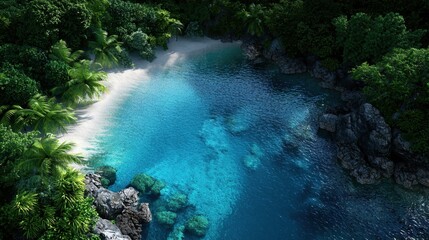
point(194, 126)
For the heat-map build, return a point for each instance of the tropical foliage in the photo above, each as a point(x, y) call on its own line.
point(104, 48)
point(85, 84)
point(42, 114)
point(399, 86)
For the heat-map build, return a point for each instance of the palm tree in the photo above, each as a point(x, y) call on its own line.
point(253, 19)
point(84, 84)
point(60, 52)
point(42, 114)
point(69, 188)
point(48, 157)
point(105, 48)
point(175, 27)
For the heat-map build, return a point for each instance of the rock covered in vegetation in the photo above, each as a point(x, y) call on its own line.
point(132, 220)
point(197, 225)
point(166, 218)
point(108, 231)
point(108, 175)
point(253, 160)
point(177, 202)
point(177, 233)
point(147, 184)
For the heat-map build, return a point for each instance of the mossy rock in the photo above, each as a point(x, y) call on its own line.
point(142, 182)
point(177, 202)
point(166, 218)
point(108, 175)
point(105, 182)
point(177, 233)
point(156, 188)
point(197, 225)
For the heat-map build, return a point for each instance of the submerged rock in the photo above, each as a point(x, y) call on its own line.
point(167, 218)
point(214, 135)
point(251, 161)
point(177, 202)
point(147, 184)
point(291, 65)
point(197, 225)
point(108, 175)
point(241, 120)
point(142, 182)
point(177, 233)
point(108, 231)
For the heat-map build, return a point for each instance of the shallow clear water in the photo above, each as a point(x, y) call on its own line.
point(242, 143)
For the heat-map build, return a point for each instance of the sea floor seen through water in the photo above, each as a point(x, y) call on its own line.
point(242, 143)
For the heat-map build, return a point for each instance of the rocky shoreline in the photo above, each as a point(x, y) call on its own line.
point(367, 146)
point(122, 216)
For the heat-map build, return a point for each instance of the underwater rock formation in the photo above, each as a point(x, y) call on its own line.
point(214, 135)
point(108, 175)
point(166, 218)
point(241, 120)
point(177, 202)
point(197, 225)
point(147, 184)
point(177, 233)
point(253, 160)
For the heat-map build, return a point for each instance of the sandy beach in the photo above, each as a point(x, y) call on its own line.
point(94, 119)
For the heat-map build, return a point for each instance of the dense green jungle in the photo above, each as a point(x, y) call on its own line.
point(54, 55)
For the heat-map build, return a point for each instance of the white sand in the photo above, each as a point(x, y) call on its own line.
point(94, 119)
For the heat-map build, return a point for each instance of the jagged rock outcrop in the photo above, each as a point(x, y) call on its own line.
point(108, 204)
point(367, 147)
point(132, 220)
point(363, 143)
point(108, 231)
point(328, 77)
point(328, 122)
point(121, 206)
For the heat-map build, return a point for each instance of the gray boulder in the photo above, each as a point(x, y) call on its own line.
point(405, 176)
point(291, 65)
point(92, 184)
point(108, 204)
point(108, 231)
point(364, 144)
point(366, 175)
point(328, 77)
point(132, 220)
point(328, 122)
point(129, 197)
point(275, 50)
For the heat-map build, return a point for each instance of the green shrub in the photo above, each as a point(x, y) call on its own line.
point(15, 87)
point(56, 75)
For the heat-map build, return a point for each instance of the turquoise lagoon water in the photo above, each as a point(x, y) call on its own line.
point(242, 143)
